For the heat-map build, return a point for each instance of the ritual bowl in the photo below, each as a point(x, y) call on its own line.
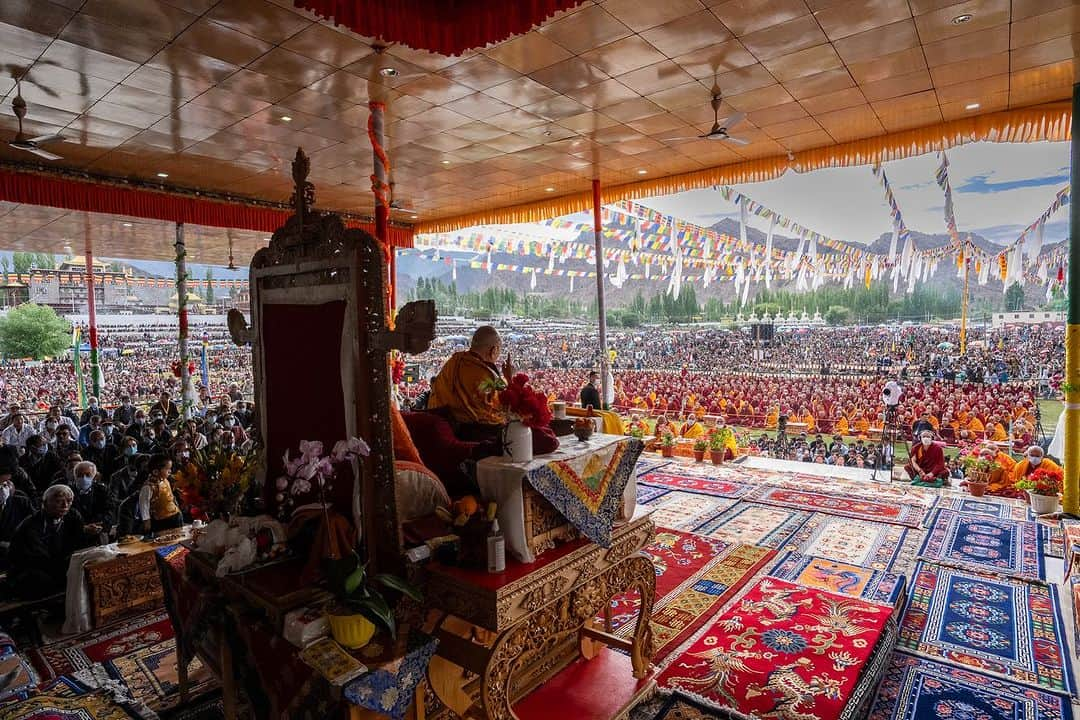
point(583, 432)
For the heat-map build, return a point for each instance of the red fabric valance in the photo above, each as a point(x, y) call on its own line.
point(447, 27)
point(71, 194)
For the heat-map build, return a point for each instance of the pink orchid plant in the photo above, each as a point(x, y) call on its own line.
point(313, 470)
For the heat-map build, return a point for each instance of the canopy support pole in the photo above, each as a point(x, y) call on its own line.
point(1071, 500)
point(600, 304)
point(186, 394)
point(380, 187)
point(91, 309)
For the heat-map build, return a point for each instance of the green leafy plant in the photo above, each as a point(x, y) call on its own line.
point(355, 592)
point(668, 440)
point(701, 445)
point(719, 437)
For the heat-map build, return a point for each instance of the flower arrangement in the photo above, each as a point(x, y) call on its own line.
point(976, 465)
point(519, 401)
point(668, 440)
point(177, 368)
point(638, 428)
point(701, 445)
point(215, 482)
point(313, 470)
point(1043, 481)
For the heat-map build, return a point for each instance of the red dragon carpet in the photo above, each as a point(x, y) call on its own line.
point(782, 651)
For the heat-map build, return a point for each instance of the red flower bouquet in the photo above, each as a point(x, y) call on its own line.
point(1044, 481)
point(521, 402)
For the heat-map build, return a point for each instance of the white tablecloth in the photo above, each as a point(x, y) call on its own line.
point(502, 481)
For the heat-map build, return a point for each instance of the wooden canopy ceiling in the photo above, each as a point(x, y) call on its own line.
point(217, 94)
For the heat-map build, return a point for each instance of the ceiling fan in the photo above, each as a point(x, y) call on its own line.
point(21, 142)
point(720, 127)
point(398, 205)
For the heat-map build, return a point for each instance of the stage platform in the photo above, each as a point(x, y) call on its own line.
point(828, 471)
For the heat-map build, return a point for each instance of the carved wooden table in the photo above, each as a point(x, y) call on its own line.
point(515, 630)
point(126, 584)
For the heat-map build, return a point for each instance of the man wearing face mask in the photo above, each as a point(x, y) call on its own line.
point(138, 430)
point(926, 466)
point(93, 409)
point(54, 420)
point(1034, 459)
point(42, 546)
point(196, 440)
point(124, 485)
point(101, 453)
point(92, 426)
point(181, 453)
point(13, 410)
point(93, 501)
point(14, 508)
point(124, 414)
point(39, 463)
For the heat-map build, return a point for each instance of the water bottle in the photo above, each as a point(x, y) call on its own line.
point(496, 549)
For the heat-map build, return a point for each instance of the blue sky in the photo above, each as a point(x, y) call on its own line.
point(998, 190)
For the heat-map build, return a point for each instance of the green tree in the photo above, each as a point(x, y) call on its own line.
point(837, 315)
point(209, 286)
point(22, 261)
point(33, 331)
point(6, 265)
point(1014, 298)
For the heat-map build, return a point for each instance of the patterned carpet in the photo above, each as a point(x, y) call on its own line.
point(112, 641)
point(997, 652)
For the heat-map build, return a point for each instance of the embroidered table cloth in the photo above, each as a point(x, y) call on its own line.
point(588, 482)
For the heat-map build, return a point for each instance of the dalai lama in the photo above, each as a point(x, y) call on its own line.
point(461, 392)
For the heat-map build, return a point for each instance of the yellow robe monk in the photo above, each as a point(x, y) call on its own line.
point(692, 429)
point(810, 424)
point(975, 425)
point(862, 425)
point(934, 422)
point(1023, 468)
point(997, 433)
point(841, 426)
point(1001, 480)
point(772, 418)
point(457, 388)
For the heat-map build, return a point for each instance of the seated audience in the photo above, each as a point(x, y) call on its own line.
point(14, 508)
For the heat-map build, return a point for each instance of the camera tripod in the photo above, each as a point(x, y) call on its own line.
point(890, 432)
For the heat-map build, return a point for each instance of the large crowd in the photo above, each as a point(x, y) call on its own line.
point(80, 477)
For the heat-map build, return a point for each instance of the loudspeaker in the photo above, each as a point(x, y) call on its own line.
point(762, 332)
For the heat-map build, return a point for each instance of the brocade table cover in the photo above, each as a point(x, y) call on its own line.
point(588, 482)
point(390, 685)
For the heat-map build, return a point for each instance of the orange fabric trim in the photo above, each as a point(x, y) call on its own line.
point(1051, 122)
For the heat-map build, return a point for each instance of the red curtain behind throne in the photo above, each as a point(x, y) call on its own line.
point(448, 27)
point(304, 393)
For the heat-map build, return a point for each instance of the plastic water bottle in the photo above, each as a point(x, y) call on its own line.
point(496, 549)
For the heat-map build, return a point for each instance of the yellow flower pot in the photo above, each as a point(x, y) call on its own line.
point(351, 631)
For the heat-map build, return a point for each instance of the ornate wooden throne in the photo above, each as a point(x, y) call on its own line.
point(319, 341)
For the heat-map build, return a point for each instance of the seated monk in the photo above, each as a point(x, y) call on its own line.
point(841, 427)
point(463, 390)
point(772, 418)
point(996, 431)
point(862, 425)
point(1000, 481)
point(1034, 459)
point(974, 429)
point(926, 466)
point(693, 427)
